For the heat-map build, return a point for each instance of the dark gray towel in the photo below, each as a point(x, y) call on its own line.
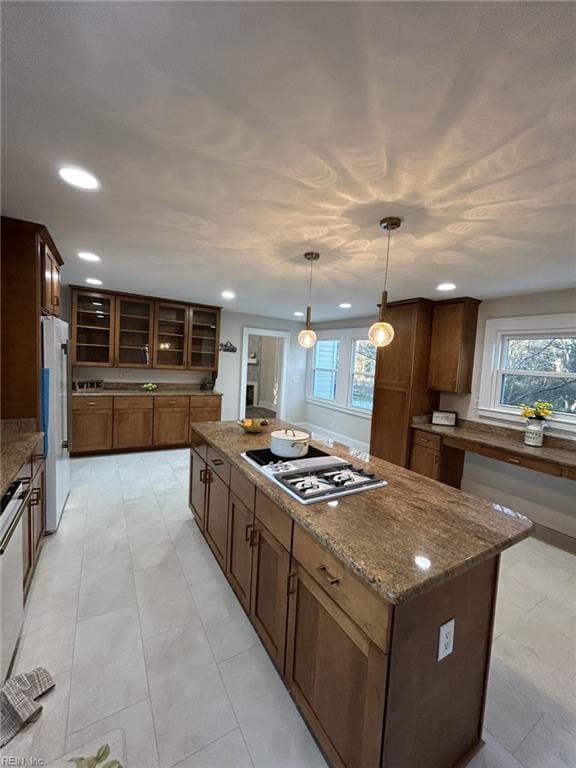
point(18, 704)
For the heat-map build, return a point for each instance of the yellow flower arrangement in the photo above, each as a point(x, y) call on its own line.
point(539, 410)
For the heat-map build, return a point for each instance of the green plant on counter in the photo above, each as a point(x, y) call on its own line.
point(91, 762)
point(150, 387)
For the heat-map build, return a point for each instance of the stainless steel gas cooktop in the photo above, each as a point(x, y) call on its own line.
point(318, 477)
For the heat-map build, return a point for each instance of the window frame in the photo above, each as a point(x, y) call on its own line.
point(497, 332)
point(355, 408)
point(334, 370)
point(347, 337)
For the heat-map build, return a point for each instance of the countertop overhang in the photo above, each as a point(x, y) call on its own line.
point(403, 539)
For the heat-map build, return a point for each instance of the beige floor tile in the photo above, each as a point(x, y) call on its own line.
point(164, 599)
point(547, 746)
point(227, 752)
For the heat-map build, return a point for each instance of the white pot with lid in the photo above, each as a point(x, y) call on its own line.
point(289, 443)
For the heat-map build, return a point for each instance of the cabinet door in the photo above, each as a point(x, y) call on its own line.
point(37, 503)
point(133, 332)
point(336, 675)
point(91, 431)
point(216, 528)
point(27, 545)
point(204, 339)
point(133, 428)
point(197, 492)
point(425, 461)
point(56, 288)
point(269, 599)
point(93, 328)
point(47, 270)
point(239, 565)
point(390, 431)
point(452, 348)
point(170, 426)
point(170, 335)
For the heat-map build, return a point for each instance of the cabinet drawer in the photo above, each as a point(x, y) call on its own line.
point(218, 464)
point(204, 414)
point(539, 465)
point(426, 439)
point(205, 401)
point(97, 403)
point(242, 488)
point(358, 601)
point(278, 522)
point(133, 402)
point(167, 401)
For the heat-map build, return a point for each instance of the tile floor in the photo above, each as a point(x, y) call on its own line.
point(151, 650)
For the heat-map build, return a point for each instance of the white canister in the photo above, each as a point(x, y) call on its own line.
point(534, 434)
point(289, 443)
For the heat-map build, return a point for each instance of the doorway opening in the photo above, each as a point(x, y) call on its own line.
point(264, 364)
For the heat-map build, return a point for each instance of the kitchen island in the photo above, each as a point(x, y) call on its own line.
point(376, 608)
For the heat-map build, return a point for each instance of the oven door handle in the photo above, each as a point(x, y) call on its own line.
point(14, 524)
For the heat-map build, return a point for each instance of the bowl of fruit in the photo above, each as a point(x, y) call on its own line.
point(253, 426)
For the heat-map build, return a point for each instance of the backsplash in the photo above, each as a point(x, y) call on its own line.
point(138, 375)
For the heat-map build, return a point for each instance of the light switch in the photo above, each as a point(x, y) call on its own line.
point(446, 640)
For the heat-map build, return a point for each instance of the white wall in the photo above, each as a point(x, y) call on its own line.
point(228, 382)
point(546, 500)
point(269, 370)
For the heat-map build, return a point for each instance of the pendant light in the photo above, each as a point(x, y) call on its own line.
point(381, 333)
point(307, 337)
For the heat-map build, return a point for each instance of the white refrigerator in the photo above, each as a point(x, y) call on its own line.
point(55, 418)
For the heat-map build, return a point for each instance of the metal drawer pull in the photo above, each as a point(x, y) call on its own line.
point(207, 476)
point(292, 582)
point(171, 402)
point(513, 461)
point(248, 534)
point(425, 439)
point(255, 537)
point(217, 462)
point(35, 497)
point(92, 402)
point(332, 580)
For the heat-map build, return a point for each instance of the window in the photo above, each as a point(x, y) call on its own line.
point(363, 371)
point(325, 369)
point(528, 359)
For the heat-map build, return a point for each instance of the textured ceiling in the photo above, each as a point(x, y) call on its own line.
point(231, 137)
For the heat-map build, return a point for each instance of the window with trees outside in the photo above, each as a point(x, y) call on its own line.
point(363, 372)
point(325, 369)
point(528, 359)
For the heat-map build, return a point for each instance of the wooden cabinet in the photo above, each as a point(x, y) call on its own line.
point(50, 280)
point(133, 422)
point(216, 521)
point(431, 458)
point(240, 547)
point(337, 676)
point(91, 424)
point(205, 408)
point(204, 338)
point(170, 335)
point(93, 328)
point(133, 333)
point(198, 488)
point(452, 347)
point(33, 527)
point(269, 598)
point(400, 390)
point(425, 461)
point(171, 420)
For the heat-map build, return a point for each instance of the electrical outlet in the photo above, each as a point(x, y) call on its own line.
point(446, 640)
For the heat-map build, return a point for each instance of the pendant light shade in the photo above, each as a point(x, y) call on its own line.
point(307, 337)
point(381, 333)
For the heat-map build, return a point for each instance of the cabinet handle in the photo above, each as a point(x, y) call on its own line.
point(56, 300)
point(327, 576)
point(424, 440)
point(208, 476)
point(217, 462)
point(171, 402)
point(35, 497)
point(291, 583)
point(255, 537)
point(248, 533)
point(513, 461)
point(202, 475)
point(91, 403)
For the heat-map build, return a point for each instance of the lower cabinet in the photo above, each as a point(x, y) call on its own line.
point(171, 420)
point(197, 491)
point(92, 425)
point(337, 676)
point(431, 458)
point(33, 527)
point(240, 548)
point(133, 422)
point(216, 520)
point(425, 461)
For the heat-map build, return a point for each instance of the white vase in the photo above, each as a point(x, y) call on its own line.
point(534, 434)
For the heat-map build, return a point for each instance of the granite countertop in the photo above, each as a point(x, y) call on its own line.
point(555, 449)
point(15, 450)
point(137, 391)
point(383, 533)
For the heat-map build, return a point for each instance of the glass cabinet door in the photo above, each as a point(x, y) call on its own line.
point(134, 332)
point(170, 336)
point(204, 339)
point(93, 328)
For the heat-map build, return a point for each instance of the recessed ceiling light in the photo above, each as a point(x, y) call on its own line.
point(93, 281)
point(298, 314)
point(445, 287)
point(87, 256)
point(78, 177)
point(228, 295)
point(345, 305)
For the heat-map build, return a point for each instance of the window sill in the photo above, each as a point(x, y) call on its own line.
point(331, 406)
point(555, 425)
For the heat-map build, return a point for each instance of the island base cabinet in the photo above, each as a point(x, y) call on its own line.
point(269, 600)
point(197, 494)
point(216, 520)
point(337, 676)
point(240, 548)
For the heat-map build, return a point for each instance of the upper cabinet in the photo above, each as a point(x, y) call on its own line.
point(170, 335)
point(93, 323)
point(452, 347)
point(204, 338)
point(125, 331)
point(133, 332)
point(50, 278)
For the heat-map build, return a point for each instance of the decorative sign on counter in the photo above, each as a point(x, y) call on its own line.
point(445, 418)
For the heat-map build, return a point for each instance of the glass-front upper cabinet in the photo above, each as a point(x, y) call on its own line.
point(93, 328)
point(133, 332)
point(170, 335)
point(204, 336)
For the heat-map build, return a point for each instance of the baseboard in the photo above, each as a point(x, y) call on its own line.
point(336, 436)
point(556, 538)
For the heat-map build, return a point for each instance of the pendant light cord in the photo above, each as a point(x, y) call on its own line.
point(387, 259)
point(310, 284)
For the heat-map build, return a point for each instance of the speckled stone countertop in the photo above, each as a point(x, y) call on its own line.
point(15, 450)
point(555, 449)
point(382, 534)
point(104, 391)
